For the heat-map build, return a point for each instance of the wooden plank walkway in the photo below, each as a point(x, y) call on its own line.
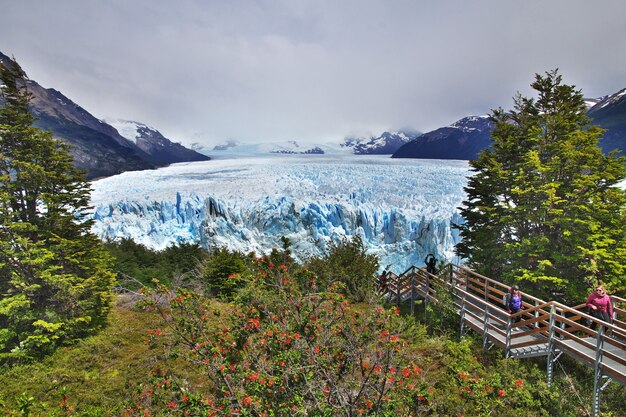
point(540, 329)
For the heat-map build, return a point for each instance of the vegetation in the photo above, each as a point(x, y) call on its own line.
point(221, 272)
point(280, 348)
point(136, 265)
point(281, 343)
point(55, 276)
point(543, 204)
point(349, 263)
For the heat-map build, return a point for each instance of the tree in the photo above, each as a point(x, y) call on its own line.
point(543, 205)
point(55, 276)
point(347, 262)
point(222, 272)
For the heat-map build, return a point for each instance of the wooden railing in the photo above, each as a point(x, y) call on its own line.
point(541, 328)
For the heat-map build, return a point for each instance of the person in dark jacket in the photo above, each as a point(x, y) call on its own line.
point(431, 263)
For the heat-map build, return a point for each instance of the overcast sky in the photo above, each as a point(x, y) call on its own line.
point(210, 70)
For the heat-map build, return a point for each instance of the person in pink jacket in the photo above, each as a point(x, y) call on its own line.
point(600, 306)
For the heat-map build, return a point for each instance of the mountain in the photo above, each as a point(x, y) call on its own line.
point(467, 137)
point(97, 147)
point(292, 147)
point(160, 150)
point(385, 144)
point(610, 114)
point(461, 140)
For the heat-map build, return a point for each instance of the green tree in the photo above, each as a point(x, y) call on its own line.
point(55, 277)
point(543, 204)
point(222, 272)
point(137, 265)
point(349, 263)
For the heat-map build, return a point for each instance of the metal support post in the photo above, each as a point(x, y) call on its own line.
point(507, 351)
point(597, 371)
point(462, 314)
point(551, 358)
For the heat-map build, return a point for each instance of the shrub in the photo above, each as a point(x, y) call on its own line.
point(347, 262)
point(222, 272)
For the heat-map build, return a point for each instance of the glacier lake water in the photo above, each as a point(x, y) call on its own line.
point(402, 208)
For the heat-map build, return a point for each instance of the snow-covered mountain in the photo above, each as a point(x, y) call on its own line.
point(403, 209)
point(232, 148)
point(161, 150)
point(610, 114)
point(385, 144)
point(463, 139)
point(97, 147)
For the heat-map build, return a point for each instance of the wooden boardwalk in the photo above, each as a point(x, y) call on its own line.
point(542, 328)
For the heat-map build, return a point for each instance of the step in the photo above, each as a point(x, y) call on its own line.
point(529, 351)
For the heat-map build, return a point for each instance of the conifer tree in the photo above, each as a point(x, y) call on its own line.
point(55, 277)
point(543, 205)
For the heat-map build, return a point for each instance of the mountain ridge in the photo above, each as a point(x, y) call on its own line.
point(465, 138)
point(97, 147)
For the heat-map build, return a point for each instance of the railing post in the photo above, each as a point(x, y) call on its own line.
point(597, 371)
point(486, 290)
point(413, 293)
point(613, 309)
point(398, 287)
point(462, 314)
point(551, 345)
point(486, 327)
point(536, 313)
point(507, 350)
point(427, 291)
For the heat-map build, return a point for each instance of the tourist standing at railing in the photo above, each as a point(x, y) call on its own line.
point(600, 306)
point(431, 263)
point(513, 301)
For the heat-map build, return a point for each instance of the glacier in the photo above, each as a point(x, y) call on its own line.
point(403, 209)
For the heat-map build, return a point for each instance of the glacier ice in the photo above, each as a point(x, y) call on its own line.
point(402, 208)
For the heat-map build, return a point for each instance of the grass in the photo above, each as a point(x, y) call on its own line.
point(98, 374)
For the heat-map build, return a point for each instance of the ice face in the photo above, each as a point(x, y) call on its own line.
point(402, 208)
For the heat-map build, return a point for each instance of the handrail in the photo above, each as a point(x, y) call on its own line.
point(540, 325)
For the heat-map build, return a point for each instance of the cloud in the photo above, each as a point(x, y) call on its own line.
point(295, 69)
